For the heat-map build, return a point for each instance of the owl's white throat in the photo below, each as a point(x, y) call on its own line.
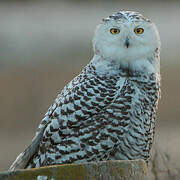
point(112, 66)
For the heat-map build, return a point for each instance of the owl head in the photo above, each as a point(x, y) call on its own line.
point(128, 39)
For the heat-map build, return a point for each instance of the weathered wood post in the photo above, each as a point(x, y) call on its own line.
point(105, 170)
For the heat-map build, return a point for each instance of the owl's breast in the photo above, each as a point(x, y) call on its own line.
point(133, 112)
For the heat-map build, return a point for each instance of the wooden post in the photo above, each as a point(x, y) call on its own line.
point(105, 170)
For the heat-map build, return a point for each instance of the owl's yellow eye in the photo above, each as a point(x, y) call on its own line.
point(138, 30)
point(114, 31)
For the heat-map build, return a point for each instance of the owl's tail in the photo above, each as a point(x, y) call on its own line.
point(23, 158)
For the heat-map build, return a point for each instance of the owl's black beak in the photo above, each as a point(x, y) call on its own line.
point(127, 42)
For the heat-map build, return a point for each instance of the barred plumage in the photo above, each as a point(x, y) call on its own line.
point(107, 112)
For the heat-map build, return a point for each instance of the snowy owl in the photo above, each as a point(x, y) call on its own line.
point(108, 111)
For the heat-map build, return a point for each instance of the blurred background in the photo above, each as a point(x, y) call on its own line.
point(44, 44)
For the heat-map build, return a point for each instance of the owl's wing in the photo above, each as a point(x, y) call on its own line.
point(84, 97)
point(23, 158)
